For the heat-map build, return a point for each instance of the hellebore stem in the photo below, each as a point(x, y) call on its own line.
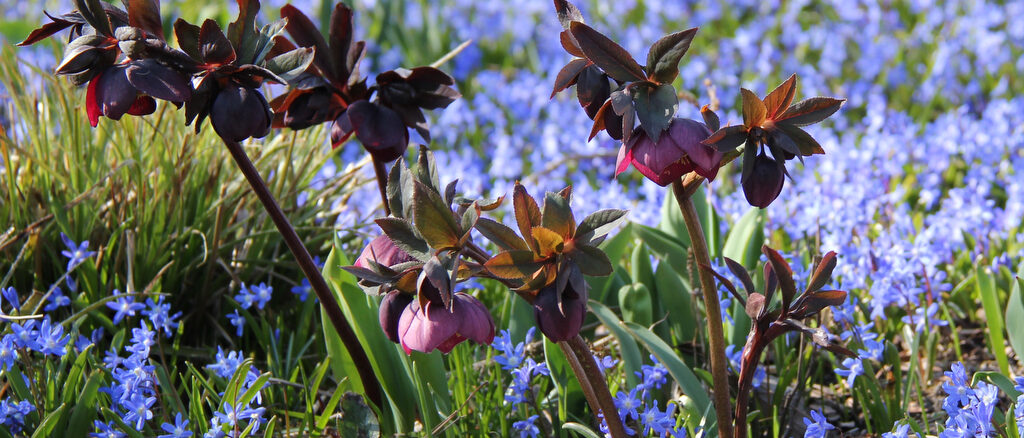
point(748, 365)
point(719, 374)
point(316, 280)
point(589, 374)
point(381, 170)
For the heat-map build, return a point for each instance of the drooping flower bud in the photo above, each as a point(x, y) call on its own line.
point(240, 112)
point(435, 327)
point(678, 152)
point(380, 129)
point(382, 251)
point(391, 309)
point(765, 181)
point(560, 324)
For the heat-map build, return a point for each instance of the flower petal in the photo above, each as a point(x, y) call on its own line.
point(475, 321)
point(425, 329)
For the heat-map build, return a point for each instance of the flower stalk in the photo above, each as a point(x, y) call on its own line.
point(309, 268)
point(719, 373)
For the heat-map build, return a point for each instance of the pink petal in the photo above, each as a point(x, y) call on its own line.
point(425, 331)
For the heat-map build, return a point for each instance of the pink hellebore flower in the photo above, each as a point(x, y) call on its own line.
point(434, 327)
point(679, 151)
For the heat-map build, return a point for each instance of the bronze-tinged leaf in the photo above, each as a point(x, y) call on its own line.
point(608, 55)
point(785, 275)
point(592, 261)
point(426, 169)
point(47, 30)
point(822, 272)
point(725, 283)
point(400, 189)
point(727, 138)
point(755, 304)
point(710, 118)
point(804, 142)
point(145, 15)
point(557, 216)
point(779, 139)
point(665, 54)
point(436, 273)
point(771, 282)
point(501, 235)
point(599, 119)
point(780, 98)
point(549, 243)
point(469, 219)
point(340, 41)
point(214, 47)
point(599, 223)
point(567, 13)
point(242, 32)
point(305, 34)
point(403, 234)
point(570, 45)
point(754, 110)
point(567, 76)
point(810, 303)
point(513, 265)
point(655, 107)
point(434, 220)
point(368, 275)
point(810, 111)
point(741, 273)
point(527, 212)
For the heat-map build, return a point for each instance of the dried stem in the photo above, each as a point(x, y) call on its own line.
point(316, 280)
point(716, 341)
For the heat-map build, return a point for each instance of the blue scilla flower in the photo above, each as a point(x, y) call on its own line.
point(142, 339)
point(925, 316)
point(627, 404)
point(25, 334)
point(245, 297)
point(52, 340)
point(901, 431)
point(605, 363)
point(124, 306)
point(8, 352)
point(105, 430)
point(1019, 384)
point(873, 350)
point(56, 300)
point(1018, 414)
point(159, 314)
point(261, 294)
point(817, 425)
point(853, 368)
point(238, 321)
point(526, 428)
point(11, 296)
point(138, 407)
point(76, 253)
point(656, 420)
point(176, 430)
point(225, 364)
point(12, 414)
point(652, 376)
point(303, 290)
point(958, 393)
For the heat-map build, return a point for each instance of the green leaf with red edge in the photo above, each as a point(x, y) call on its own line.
point(808, 145)
point(549, 243)
point(785, 275)
point(606, 54)
point(810, 303)
point(513, 265)
point(599, 223)
point(557, 216)
point(710, 118)
point(403, 234)
point(93, 13)
point(567, 13)
point(810, 111)
point(527, 212)
point(665, 54)
point(187, 35)
point(822, 272)
point(655, 107)
point(434, 220)
point(599, 119)
point(780, 98)
point(242, 32)
point(592, 261)
point(145, 15)
point(501, 235)
point(567, 76)
point(754, 110)
point(727, 138)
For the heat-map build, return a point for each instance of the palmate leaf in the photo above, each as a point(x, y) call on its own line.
point(403, 234)
point(242, 31)
point(400, 189)
point(501, 235)
point(527, 212)
point(93, 13)
point(557, 216)
point(433, 219)
point(754, 110)
point(665, 54)
point(145, 15)
point(728, 138)
point(567, 76)
point(606, 54)
point(548, 242)
point(592, 261)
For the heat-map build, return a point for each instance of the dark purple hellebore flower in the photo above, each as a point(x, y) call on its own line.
point(679, 151)
point(240, 112)
point(384, 252)
point(765, 181)
point(560, 320)
point(391, 309)
point(129, 88)
point(434, 327)
point(380, 129)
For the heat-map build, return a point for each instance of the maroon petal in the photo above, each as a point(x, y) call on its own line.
point(379, 129)
point(341, 130)
point(383, 251)
point(624, 158)
point(475, 321)
point(92, 107)
point(391, 309)
point(238, 113)
point(662, 162)
point(688, 135)
point(114, 93)
point(425, 329)
point(144, 105)
point(158, 80)
point(560, 324)
point(765, 181)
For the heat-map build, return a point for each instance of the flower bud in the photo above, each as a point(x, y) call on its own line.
point(560, 324)
point(391, 309)
point(765, 181)
point(240, 112)
point(678, 152)
point(384, 252)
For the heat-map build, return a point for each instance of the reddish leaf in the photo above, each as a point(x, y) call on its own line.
point(822, 272)
point(501, 235)
point(244, 26)
point(433, 218)
point(785, 275)
point(527, 212)
point(46, 30)
point(727, 138)
point(611, 57)
point(145, 15)
point(305, 34)
point(810, 111)
point(754, 110)
point(187, 35)
point(665, 54)
point(214, 47)
point(779, 99)
point(810, 303)
point(513, 265)
point(804, 142)
point(599, 119)
point(741, 273)
point(94, 14)
point(340, 35)
point(567, 76)
point(725, 283)
point(710, 118)
point(570, 45)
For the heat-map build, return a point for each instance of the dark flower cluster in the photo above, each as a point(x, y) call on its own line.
point(127, 65)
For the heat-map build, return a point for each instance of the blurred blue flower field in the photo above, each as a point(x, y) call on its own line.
point(146, 293)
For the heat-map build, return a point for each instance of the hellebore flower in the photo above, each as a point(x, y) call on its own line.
point(765, 181)
point(434, 327)
point(382, 251)
point(240, 112)
point(678, 152)
point(129, 88)
point(391, 309)
point(560, 318)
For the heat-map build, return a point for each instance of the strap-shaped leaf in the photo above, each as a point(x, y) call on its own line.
point(500, 234)
point(567, 13)
point(434, 220)
point(754, 110)
point(599, 223)
point(557, 216)
point(305, 34)
point(403, 234)
point(567, 76)
point(822, 272)
point(785, 275)
point(340, 40)
point(608, 55)
point(592, 261)
point(810, 111)
point(655, 107)
point(513, 265)
point(665, 54)
point(725, 283)
point(145, 15)
point(780, 98)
